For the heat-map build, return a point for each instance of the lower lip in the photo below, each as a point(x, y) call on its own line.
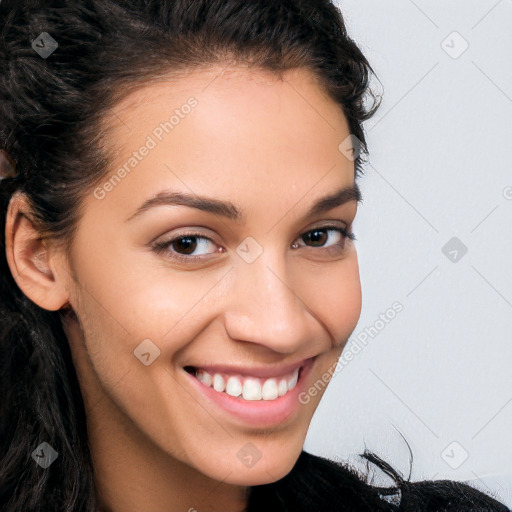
point(260, 413)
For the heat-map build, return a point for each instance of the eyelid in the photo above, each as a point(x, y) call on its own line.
point(339, 225)
point(198, 231)
point(194, 231)
point(326, 224)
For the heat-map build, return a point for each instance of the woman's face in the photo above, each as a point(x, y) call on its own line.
point(270, 290)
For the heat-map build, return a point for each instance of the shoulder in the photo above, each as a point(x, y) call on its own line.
point(446, 495)
point(319, 484)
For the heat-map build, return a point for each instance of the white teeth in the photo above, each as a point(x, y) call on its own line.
point(218, 382)
point(269, 390)
point(293, 381)
point(204, 377)
point(249, 388)
point(252, 389)
point(233, 387)
point(283, 387)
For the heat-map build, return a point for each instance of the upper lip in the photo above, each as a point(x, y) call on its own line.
point(256, 371)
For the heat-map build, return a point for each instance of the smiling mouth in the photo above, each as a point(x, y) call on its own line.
point(246, 387)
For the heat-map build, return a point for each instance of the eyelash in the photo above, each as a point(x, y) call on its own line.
point(162, 246)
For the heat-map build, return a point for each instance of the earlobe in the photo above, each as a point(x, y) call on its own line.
point(32, 260)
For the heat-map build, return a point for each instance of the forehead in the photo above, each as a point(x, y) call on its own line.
point(245, 135)
point(233, 92)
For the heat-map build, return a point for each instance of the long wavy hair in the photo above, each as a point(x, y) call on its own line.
point(52, 125)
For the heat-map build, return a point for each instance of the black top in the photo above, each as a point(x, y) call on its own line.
point(317, 484)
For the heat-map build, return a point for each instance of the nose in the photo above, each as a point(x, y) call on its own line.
point(265, 308)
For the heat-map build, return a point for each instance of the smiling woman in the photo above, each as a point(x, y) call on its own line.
point(178, 269)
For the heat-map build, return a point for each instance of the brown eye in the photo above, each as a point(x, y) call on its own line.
point(185, 244)
point(183, 247)
point(318, 237)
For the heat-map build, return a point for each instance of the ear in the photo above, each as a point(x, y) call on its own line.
point(33, 261)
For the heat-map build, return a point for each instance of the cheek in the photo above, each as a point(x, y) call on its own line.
point(123, 301)
point(333, 293)
point(131, 300)
point(135, 297)
point(349, 297)
point(133, 303)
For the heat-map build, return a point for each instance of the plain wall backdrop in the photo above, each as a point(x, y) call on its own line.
point(434, 239)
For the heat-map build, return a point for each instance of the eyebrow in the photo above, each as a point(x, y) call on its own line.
point(230, 211)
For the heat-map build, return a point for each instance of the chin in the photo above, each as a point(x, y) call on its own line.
point(263, 474)
point(266, 470)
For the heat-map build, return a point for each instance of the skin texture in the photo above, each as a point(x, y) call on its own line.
point(271, 147)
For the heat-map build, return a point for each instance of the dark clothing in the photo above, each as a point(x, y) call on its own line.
point(317, 484)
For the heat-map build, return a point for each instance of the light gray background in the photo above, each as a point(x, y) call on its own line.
point(440, 167)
